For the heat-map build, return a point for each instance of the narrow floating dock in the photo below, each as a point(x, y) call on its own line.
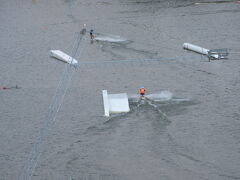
point(200, 50)
point(63, 57)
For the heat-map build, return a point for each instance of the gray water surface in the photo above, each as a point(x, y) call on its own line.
point(197, 139)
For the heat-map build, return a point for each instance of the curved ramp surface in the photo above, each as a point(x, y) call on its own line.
point(115, 103)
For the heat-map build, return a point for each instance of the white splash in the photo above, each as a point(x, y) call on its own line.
point(111, 38)
point(158, 97)
point(162, 96)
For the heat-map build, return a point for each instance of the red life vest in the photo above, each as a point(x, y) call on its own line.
point(142, 91)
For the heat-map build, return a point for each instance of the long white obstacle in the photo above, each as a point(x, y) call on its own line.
point(199, 49)
point(195, 48)
point(63, 56)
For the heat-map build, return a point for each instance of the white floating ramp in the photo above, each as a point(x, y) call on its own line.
point(115, 103)
point(63, 56)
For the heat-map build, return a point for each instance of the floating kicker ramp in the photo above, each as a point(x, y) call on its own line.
point(63, 57)
point(115, 103)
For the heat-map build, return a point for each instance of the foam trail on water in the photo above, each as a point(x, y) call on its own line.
point(111, 38)
point(162, 96)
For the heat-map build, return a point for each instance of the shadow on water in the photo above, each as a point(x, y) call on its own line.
point(153, 6)
point(176, 3)
point(69, 1)
point(215, 12)
point(156, 5)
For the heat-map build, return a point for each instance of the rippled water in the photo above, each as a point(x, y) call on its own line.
point(192, 135)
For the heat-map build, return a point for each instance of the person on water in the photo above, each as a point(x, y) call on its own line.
point(142, 91)
point(91, 34)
